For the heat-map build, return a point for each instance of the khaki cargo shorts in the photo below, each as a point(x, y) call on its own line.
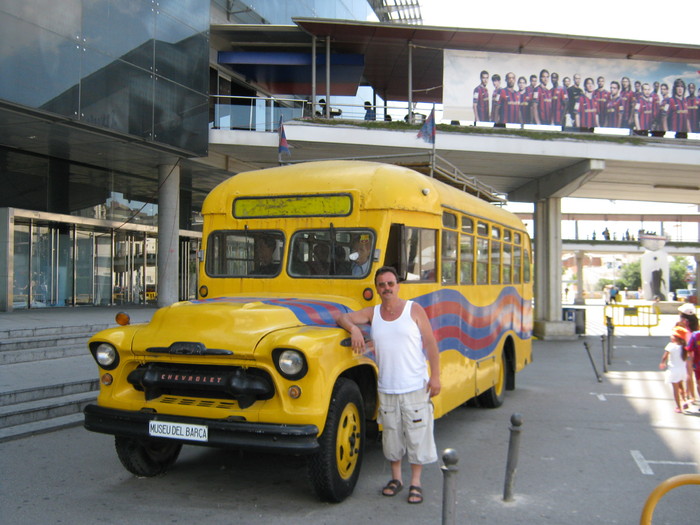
point(407, 427)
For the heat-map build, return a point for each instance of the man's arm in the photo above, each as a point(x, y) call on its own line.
point(349, 322)
point(431, 347)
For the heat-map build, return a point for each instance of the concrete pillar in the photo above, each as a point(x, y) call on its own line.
point(547, 286)
point(328, 77)
point(580, 261)
point(168, 233)
point(6, 259)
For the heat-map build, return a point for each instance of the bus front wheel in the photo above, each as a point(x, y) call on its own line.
point(334, 469)
point(147, 457)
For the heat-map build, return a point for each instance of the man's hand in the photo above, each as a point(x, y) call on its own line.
point(433, 386)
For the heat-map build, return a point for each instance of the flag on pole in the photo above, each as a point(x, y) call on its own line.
point(427, 132)
point(283, 144)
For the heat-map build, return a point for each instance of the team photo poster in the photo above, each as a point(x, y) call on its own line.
point(571, 92)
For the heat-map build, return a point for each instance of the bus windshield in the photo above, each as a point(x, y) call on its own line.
point(331, 252)
point(244, 253)
point(313, 253)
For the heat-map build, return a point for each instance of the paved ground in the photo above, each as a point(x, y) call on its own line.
point(590, 453)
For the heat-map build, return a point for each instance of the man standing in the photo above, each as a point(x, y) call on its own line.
point(400, 330)
point(614, 107)
point(524, 101)
point(645, 110)
point(496, 100)
point(560, 100)
point(627, 95)
point(586, 108)
point(601, 95)
point(542, 100)
point(575, 92)
point(481, 99)
point(675, 110)
point(693, 103)
point(509, 102)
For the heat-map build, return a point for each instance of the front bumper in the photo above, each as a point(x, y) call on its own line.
point(267, 437)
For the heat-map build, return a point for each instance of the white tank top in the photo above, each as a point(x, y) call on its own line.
point(399, 348)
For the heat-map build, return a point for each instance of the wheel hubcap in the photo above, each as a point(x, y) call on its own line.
point(347, 448)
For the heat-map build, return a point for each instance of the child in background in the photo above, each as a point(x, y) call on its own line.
point(673, 361)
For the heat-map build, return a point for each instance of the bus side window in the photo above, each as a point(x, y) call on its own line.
point(466, 259)
point(517, 263)
point(526, 267)
point(420, 258)
point(449, 257)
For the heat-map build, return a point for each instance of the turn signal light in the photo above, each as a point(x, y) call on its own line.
point(106, 379)
point(294, 392)
point(122, 318)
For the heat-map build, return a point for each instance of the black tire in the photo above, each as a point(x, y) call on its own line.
point(146, 457)
point(334, 469)
point(494, 396)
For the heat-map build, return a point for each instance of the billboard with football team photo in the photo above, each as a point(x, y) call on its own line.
point(568, 92)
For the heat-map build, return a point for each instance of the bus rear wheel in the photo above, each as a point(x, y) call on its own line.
point(334, 469)
point(494, 396)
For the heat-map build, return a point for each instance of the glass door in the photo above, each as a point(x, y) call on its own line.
point(84, 268)
point(129, 265)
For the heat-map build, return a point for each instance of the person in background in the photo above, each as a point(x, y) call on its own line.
point(689, 320)
point(673, 362)
point(400, 330)
point(481, 99)
point(370, 112)
point(360, 256)
point(560, 101)
point(586, 108)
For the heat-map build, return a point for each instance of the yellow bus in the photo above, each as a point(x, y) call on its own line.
point(258, 362)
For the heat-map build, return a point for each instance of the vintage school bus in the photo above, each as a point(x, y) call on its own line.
point(258, 362)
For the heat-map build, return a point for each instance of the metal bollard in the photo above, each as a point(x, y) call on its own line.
point(588, 351)
point(449, 471)
point(605, 359)
point(611, 334)
point(516, 421)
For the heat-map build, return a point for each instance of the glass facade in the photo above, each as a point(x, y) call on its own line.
point(139, 67)
point(282, 11)
point(58, 262)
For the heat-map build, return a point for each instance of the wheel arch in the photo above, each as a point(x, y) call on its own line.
point(365, 376)
point(509, 359)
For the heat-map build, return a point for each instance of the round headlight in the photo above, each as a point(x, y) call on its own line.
point(105, 355)
point(291, 362)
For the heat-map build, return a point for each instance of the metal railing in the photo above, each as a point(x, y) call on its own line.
point(263, 114)
point(640, 316)
point(663, 488)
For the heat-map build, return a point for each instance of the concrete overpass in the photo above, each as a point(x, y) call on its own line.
point(527, 167)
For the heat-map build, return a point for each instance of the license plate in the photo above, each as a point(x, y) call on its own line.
point(164, 429)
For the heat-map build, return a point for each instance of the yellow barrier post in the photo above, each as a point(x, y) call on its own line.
point(640, 316)
point(663, 488)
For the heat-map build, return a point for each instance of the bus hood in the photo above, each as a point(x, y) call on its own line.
point(229, 324)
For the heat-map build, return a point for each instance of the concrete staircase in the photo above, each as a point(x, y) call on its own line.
point(47, 377)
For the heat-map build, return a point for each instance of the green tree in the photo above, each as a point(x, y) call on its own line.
point(678, 269)
point(631, 276)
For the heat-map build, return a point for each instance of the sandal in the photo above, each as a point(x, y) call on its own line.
point(415, 495)
point(392, 488)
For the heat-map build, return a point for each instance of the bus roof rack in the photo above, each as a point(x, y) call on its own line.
point(436, 167)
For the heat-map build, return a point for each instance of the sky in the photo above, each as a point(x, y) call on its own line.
point(598, 18)
point(601, 18)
